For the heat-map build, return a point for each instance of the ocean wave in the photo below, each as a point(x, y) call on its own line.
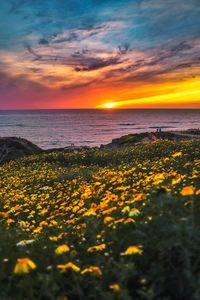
point(172, 122)
point(20, 125)
point(154, 127)
point(127, 124)
point(138, 128)
point(97, 125)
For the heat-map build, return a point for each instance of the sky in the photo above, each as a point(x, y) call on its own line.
point(99, 54)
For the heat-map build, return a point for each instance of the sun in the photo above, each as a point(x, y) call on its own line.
point(109, 105)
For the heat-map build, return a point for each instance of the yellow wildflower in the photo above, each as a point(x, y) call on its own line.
point(53, 238)
point(54, 223)
point(176, 180)
point(94, 270)
point(139, 197)
point(108, 211)
point(68, 266)
point(187, 191)
point(177, 154)
point(126, 209)
point(24, 265)
point(62, 249)
point(119, 221)
point(90, 212)
point(96, 248)
point(9, 221)
point(115, 287)
point(134, 212)
point(37, 230)
point(22, 224)
point(25, 242)
point(129, 220)
point(160, 177)
point(107, 220)
point(43, 224)
point(133, 250)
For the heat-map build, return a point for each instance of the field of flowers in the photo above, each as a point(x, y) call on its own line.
point(102, 224)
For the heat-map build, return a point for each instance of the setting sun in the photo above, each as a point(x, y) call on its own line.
point(109, 105)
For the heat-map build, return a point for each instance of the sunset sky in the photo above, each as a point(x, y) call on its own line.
point(99, 54)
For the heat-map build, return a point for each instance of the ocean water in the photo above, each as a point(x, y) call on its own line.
point(61, 128)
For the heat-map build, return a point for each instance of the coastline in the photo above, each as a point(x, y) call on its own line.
point(12, 148)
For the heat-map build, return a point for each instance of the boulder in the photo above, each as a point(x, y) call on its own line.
point(12, 148)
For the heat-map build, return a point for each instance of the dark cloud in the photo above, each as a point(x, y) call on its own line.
point(34, 70)
point(157, 62)
point(72, 36)
point(79, 60)
point(77, 85)
point(123, 49)
point(180, 47)
point(43, 41)
point(33, 52)
point(19, 84)
point(91, 64)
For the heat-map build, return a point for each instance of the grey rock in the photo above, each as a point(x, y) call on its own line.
point(12, 148)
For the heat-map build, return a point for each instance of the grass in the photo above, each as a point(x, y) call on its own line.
point(102, 224)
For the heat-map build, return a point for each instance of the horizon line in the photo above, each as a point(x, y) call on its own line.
point(104, 109)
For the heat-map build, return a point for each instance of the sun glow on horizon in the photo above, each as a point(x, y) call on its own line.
point(109, 105)
point(180, 98)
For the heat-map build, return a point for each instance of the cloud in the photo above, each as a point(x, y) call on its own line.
point(67, 45)
point(156, 64)
point(43, 41)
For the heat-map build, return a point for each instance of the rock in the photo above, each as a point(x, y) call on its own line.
point(146, 137)
point(127, 140)
point(12, 148)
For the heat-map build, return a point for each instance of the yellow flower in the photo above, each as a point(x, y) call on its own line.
point(24, 265)
point(96, 248)
point(25, 242)
point(94, 270)
point(22, 224)
point(90, 212)
point(68, 266)
point(177, 154)
point(53, 238)
point(54, 223)
point(133, 250)
point(139, 197)
point(176, 180)
point(134, 212)
point(115, 287)
point(160, 177)
point(129, 220)
point(62, 249)
point(187, 191)
point(107, 220)
point(43, 224)
point(9, 221)
point(126, 209)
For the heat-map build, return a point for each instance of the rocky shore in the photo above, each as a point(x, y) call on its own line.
point(12, 148)
point(147, 137)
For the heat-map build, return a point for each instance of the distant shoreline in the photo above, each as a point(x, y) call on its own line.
point(12, 148)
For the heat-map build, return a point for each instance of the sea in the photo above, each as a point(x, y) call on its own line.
point(91, 127)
